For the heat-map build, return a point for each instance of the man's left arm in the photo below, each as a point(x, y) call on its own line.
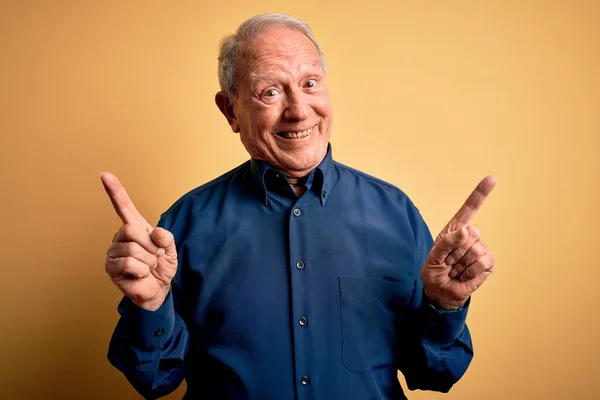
point(434, 344)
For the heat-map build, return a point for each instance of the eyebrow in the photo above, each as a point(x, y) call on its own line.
point(265, 76)
point(270, 75)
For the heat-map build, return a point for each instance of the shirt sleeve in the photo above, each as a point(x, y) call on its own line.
point(149, 347)
point(434, 347)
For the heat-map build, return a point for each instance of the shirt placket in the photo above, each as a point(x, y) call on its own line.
point(300, 267)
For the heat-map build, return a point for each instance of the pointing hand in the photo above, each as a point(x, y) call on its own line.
point(459, 262)
point(141, 260)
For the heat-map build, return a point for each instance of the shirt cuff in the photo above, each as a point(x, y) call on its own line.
point(443, 325)
point(148, 330)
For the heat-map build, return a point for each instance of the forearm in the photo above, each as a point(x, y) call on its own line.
point(435, 353)
point(149, 348)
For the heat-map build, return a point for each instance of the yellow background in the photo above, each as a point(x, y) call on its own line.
point(428, 95)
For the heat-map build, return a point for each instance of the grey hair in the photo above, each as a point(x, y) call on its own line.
point(249, 29)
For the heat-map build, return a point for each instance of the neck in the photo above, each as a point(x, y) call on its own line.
point(297, 185)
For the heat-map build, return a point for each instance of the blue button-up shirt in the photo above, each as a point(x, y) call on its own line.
point(279, 296)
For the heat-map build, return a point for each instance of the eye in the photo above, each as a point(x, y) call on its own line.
point(311, 83)
point(271, 93)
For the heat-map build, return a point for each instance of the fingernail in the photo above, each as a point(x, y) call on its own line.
point(160, 252)
point(453, 273)
point(459, 234)
point(450, 260)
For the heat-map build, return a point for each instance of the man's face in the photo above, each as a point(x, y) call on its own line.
point(282, 109)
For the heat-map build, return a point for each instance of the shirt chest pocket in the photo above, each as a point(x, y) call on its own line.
point(369, 308)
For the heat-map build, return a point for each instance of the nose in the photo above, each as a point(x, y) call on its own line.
point(296, 107)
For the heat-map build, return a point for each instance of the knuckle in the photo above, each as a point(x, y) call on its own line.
point(487, 260)
point(473, 240)
point(110, 266)
point(452, 257)
point(474, 253)
point(478, 269)
point(131, 231)
point(128, 231)
point(128, 264)
point(117, 250)
point(439, 238)
point(458, 253)
point(474, 232)
point(131, 248)
point(478, 250)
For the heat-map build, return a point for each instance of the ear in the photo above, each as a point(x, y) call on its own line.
point(226, 106)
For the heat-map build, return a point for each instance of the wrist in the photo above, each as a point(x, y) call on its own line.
point(153, 304)
point(445, 307)
point(444, 304)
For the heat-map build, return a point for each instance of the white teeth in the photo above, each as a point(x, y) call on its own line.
point(297, 135)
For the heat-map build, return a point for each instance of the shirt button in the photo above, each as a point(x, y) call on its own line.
point(297, 212)
point(302, 321)
point(324, 193)
point(300, 265)
point(158, 332)
point(305, 380)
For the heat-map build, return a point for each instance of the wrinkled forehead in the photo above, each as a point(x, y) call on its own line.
point(274, 48)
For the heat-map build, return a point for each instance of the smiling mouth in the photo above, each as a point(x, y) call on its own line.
point(295, 134)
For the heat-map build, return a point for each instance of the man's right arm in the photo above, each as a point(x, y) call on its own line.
point(151, 339)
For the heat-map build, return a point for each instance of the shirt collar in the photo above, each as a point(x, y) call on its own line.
point(322, 177)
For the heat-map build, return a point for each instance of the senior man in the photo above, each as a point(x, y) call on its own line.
point(291, 276)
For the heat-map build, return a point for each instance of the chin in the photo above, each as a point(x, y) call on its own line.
point(305, 164)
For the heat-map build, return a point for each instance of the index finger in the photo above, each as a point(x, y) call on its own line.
point(121, 201)
point(475, 200)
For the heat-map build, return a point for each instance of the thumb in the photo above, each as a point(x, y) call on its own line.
point(450, 241)
point(165, 241)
